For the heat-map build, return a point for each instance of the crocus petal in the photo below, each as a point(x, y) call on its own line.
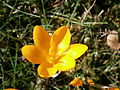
point(114, 88)
point(76, 82)
point(65, 63)
point(60, 40)
point(90, 82)
point(10, 89)
point(33, 54)
point(46, 70)
point(76, 50)
point(41, 38)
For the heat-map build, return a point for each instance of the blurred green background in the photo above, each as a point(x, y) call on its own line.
point(89, 21)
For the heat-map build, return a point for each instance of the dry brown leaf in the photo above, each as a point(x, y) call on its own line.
point(112, 40)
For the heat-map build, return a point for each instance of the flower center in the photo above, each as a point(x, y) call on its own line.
point(52, 60)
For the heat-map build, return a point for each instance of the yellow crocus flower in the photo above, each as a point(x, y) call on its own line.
point(53, 53)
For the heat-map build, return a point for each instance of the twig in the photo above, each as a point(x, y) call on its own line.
point(76, 22)
point(100, 13)
point(87, 11)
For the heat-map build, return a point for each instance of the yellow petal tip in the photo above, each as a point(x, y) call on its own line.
point(76, 82)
